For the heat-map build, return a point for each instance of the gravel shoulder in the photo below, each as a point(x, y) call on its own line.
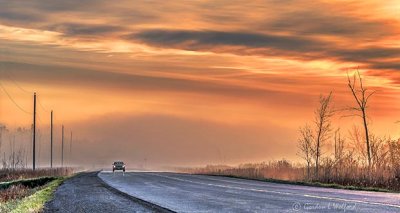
point(87, 193)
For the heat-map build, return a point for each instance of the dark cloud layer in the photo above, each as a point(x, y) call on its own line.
point(77, 29)
point(366, 54)
point(314, 21)
point(387, 65)
point(284, 32)
point(197, 39)
point(53, 6)
point(10, 15)
point(264, 44)
point(43, 14)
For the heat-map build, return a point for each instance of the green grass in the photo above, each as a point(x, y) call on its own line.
point(314, 184)
point(34, 202)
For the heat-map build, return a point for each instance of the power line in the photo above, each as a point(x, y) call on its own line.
point(10, 78)
point(15, 82)
point(39, 120)
point(41, 106)
point(10, 97)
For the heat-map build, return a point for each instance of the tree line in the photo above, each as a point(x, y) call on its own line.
point(362, 158)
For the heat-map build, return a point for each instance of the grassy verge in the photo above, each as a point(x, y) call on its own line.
point(314, 184)
point(31, 183)
point(34, 202)
point(20, 174)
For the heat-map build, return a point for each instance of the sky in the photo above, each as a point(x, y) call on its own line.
point(183, 83)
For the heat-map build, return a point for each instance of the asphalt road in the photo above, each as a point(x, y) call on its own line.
point(86, 193)
point(198, 193)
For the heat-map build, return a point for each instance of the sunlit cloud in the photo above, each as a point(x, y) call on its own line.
point(23, 34)
point(230, 65)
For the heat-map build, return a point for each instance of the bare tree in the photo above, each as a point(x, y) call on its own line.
point(322, 121)
point(339, 150)
point(4, 161)
point(357, 142)
point(2, 129)
point(379, 151)
point(394, 157)
point(12, 153)
point(305, 145)
point(19, 159)
point(361, 96)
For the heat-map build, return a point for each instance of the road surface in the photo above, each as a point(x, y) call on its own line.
point(86, 193)
point(199, 193)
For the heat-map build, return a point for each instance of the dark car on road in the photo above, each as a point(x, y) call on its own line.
point(118, 165)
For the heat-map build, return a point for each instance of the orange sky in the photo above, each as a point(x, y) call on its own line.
point(194, 82)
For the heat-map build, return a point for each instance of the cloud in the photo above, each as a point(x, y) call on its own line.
point(394, 65)
point(43, 14)
point(323, 20)
point(78, 29)
point(257, 63)
point(17, 16)
point(263, 44)
point(366, 54)
point(284, 29)
point(52, 6)
point(79, 77)
point(230, 42)
point(198, 39)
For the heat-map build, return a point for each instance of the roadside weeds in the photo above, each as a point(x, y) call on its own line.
point(313, 184)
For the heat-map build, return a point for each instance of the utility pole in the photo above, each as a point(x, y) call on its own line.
point(51, 139)
point(34, 131)
point(62, 147)
point(70, 150)
point(13, 152)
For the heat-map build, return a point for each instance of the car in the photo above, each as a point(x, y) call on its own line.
point(118, 165)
